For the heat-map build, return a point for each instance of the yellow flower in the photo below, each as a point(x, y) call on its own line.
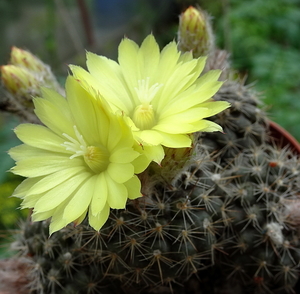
point(81, 162)
point(161, 93)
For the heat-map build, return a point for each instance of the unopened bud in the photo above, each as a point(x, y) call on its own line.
point(195, 32)
point(38, 68)
point(23, 58)
point(19, 81)
point(23, 79)
point(26, 74)
point(175, 159)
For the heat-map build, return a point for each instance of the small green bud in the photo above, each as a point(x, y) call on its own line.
point(195, 32)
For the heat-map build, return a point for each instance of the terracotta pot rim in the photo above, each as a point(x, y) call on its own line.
point(284, 136)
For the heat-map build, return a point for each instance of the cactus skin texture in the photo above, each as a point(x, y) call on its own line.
point(222, 224)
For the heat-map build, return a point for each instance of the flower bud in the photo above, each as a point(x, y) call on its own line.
point(20, 81)
point(195, 32)
point(25, 76)
point(38, 68)
point(23, 58)
point(175, 159)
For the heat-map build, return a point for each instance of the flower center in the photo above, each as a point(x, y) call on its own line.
point(96, 157)
point(143, 116)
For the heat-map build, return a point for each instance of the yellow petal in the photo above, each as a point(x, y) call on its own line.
point(208, 126)
point(187, 116)
point(30, 201)
point(54, 112)
point(128, 51)
point(120, 172)
point(194, 96)
point(186, 57)
point(208, 77)
point(80, 219)
point(109, 73)
point(154, 153)
point(83, 107)
point(168, 62)
point(133, 187)
point(40, 137)
point(148, 57)
point(149, 137)
point(40, 216)
point(215, 106)
point(44, 165)
point(88, 82)
point(57, 222)
point(97, 221)
point(176, 141)
point(182, 78)
point(178, 128)
point(80, 201)
point(115, 134)
point(52, 180)
point(99, 196)
point(123, 155)
point(24, 187)
point(141, 162)
point(60, 193)
point(126, 131)
point(24, 151)
point(54, 98)
point(117, 194)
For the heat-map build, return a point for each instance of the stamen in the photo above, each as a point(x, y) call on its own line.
point(77, 146)
point(146, 94)
point(95, 157)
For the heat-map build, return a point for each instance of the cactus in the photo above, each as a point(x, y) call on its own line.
point(220, 222)
point(223, 217)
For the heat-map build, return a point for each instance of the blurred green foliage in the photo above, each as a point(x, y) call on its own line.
point(263, 37)
point(7, 140)
point(9, 212)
